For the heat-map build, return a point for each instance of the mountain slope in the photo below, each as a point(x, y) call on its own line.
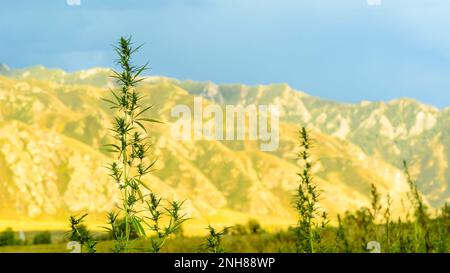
point(392, 131)
point(52, 161)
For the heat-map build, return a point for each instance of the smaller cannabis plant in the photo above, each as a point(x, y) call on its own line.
point(80, 233)
point(443, 222)
point(387, 222)
point(421, 230)
point(375, 210)
point(311, 218)
point(118, 231)
point(342, 244)
point(214, 240)
point(171, 213)
point(375, 202)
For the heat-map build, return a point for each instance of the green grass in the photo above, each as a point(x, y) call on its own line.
point(242, 240)
point(231, 243)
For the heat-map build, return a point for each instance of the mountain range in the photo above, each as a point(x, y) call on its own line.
point(53, 127)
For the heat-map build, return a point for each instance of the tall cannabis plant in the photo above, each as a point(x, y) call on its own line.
point(129, 134)
point(311, 218)
point(131, 163)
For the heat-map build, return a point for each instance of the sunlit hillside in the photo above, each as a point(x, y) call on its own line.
point(53, 126)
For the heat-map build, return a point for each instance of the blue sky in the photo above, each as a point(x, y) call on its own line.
point(342, 50)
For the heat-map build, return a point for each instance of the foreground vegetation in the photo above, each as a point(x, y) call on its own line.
point(351, 236)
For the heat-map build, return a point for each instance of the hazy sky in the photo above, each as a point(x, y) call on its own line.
point(344, 50)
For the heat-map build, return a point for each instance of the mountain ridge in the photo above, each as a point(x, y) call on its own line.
point(349, 159)
point(107, 71)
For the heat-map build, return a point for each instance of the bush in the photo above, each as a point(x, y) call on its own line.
point(254, 227)
point(7, 237)
point(43, 238)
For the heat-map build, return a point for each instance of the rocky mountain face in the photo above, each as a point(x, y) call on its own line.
point(391, 131)
point(53, 126)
